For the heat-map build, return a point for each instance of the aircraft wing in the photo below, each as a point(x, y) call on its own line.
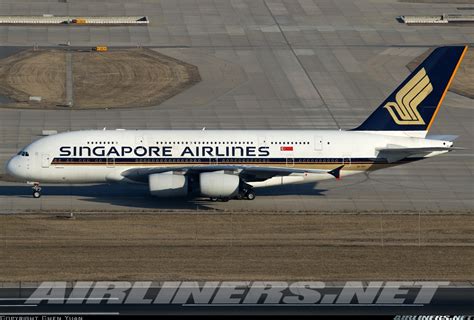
point(247, 173)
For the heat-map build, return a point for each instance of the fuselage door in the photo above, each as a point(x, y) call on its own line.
point(45, 160)
point(318, 143)
point(140, 140)
point(346, 161)
point(110, 162)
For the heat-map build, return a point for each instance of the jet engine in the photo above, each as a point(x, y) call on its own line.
point(218, 184)
point(168, 184)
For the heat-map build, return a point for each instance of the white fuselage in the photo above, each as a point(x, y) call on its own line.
point(103, 155)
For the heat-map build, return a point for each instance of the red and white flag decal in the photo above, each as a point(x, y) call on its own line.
point(286, 148)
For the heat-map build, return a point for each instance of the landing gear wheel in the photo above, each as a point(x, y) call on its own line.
point(250, 195)
point(214, 199)
point(36, 191)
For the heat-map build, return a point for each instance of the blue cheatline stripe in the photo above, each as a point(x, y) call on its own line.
point(223, 161)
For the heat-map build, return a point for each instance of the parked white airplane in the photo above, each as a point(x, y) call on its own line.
point(224, 164)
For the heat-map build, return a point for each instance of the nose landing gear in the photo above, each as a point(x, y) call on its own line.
point(36, 190)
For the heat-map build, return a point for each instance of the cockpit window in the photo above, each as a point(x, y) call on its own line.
point(23, 154)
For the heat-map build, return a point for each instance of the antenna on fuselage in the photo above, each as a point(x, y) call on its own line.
point(203, 128)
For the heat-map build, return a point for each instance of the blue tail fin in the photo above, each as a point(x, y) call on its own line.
point(415, 103)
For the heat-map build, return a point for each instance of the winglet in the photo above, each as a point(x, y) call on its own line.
point(336, 172)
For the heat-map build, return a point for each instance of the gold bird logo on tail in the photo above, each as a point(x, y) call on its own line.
point(404, 111)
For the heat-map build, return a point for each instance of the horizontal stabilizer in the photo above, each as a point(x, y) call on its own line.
point(419, 150)
point(395, 153)
point(442, 137)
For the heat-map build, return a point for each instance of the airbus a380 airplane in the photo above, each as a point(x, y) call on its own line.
point(225, 164)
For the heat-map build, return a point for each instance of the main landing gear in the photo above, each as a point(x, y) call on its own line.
point(36, 190)
point(247, 194)
point(250, 195)
point(215, 199)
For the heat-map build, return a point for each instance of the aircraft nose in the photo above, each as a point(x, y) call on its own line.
point(14, 167)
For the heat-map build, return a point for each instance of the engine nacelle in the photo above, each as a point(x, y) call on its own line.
point(168, 185)
point(218, 184)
